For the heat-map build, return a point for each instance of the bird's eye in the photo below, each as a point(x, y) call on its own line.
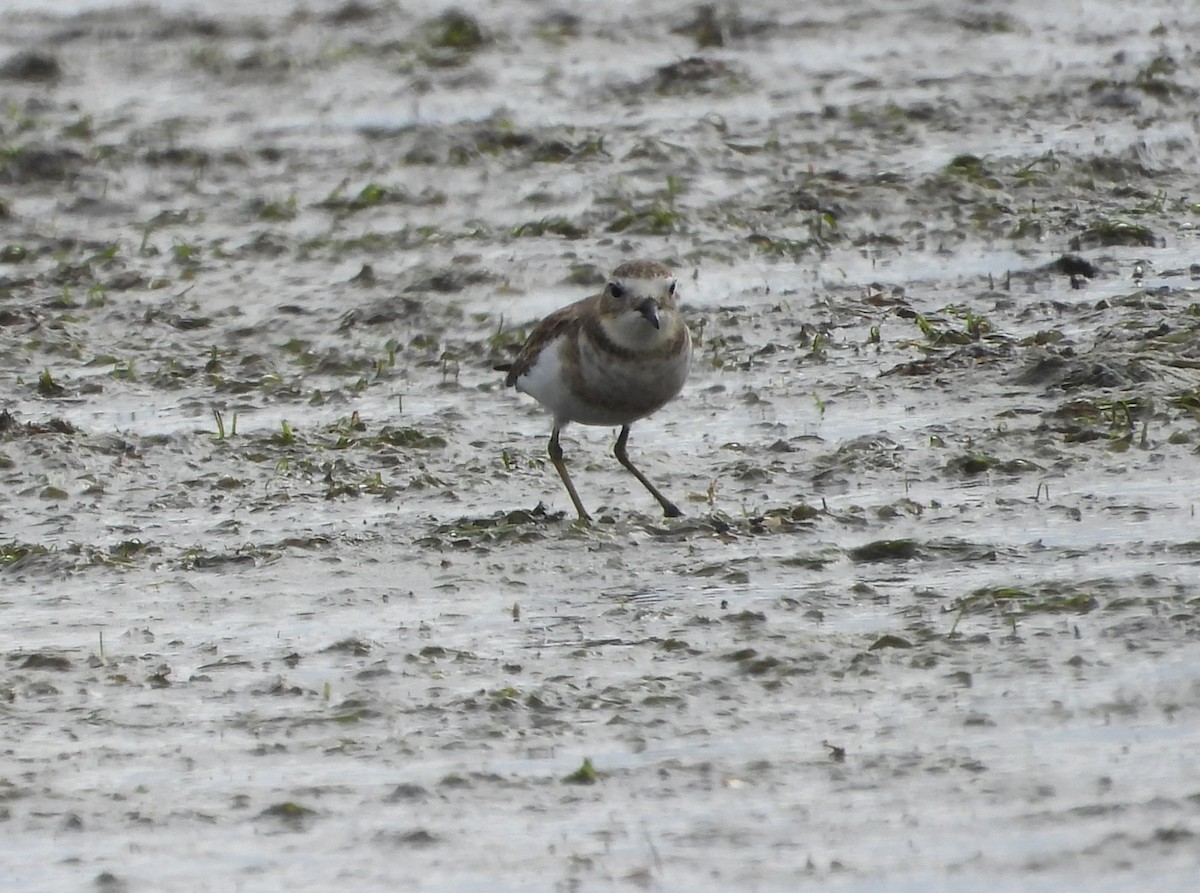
point(671, 288)
point(616, 289)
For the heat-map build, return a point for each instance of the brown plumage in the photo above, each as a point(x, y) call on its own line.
point(609, 359)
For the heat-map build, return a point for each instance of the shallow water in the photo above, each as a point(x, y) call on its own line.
point(930, 621)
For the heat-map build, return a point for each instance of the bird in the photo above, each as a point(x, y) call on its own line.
point(609, 359)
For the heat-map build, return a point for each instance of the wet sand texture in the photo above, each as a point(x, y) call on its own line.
point(292, 599)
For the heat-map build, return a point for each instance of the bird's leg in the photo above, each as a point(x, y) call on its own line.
point(669, 508)
point(556, 456)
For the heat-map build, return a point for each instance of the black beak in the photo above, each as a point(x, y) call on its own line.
point(649, 309)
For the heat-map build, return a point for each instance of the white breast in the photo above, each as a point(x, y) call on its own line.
point(601, 391)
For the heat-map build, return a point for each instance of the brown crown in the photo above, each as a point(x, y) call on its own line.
point(642, 269)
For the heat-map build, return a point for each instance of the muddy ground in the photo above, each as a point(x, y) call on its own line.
point(290, 597)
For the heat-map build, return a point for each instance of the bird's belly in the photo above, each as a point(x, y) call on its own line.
point(603, 392)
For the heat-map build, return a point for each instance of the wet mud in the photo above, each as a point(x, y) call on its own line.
point(293, 598)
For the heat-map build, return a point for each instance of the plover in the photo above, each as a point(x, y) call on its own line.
point(610, 359)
